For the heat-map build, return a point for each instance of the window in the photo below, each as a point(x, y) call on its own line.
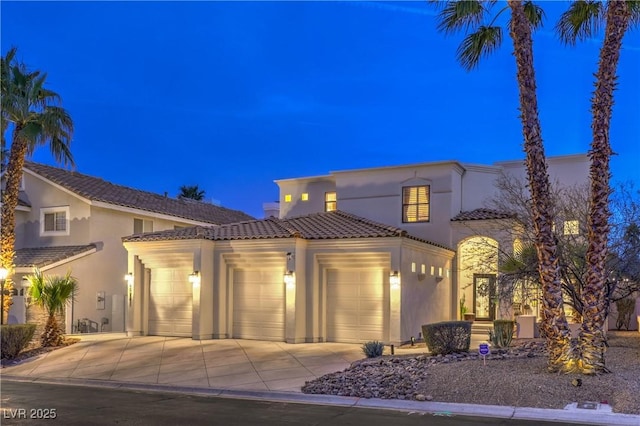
point(141, 225)
point(330, 201)
point(287, 198)
point(571, 227)
point(305, 196)
point(54, 221)
point(415, 203)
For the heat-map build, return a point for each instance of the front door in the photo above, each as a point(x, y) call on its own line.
point(484, 296)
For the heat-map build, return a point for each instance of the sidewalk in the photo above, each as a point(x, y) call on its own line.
point(243, 369)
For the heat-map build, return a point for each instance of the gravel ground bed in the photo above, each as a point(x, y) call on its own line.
point(513, 377)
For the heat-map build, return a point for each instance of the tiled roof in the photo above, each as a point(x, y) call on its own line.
point(316, 226)
point(482, 214)
point(97, 189)
point(43, 256)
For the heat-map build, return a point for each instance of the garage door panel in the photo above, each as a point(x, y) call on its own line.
point(182, 287)
point(170, 303)
point(371, 291)
point(356, 305)
point(258, 304)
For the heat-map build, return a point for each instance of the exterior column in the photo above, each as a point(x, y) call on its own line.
point(203, 282)
point(295, 294)
point(134, 296)
point(395, 297)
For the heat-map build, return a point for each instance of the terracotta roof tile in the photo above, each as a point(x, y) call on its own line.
point(43, 256)
point(97, 189)
point(482, 214)
point(316, 226)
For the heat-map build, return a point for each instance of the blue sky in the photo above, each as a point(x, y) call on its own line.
point(232, 95)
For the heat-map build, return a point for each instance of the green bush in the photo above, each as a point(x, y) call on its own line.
point(502, 333)
point(373, 349)
point(14, 338)
point(447, 337)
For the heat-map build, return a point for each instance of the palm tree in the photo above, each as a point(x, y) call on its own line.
point(192, 192)
point(52, 293)
point(35, 118)
point(579, 22)
point(481, 40)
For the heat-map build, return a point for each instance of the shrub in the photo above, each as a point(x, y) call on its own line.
point(373, 349)
point(447, 337)
point(14, 338)
point(502, 333)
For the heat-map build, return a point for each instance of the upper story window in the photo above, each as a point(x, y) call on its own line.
point(571, 227)
point(142, 225)
point(415, 203)
point(330, 201)
point(54, 221)
point(287, 198)
point(305, 196)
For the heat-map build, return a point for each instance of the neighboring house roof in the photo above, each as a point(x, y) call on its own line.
point(317, 226)
point(97, 189)
point(23, 203)
point(482, 214)
point(44, 256)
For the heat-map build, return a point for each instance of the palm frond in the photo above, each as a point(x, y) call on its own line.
point(52, 292)
point(460, 15)
point(634, 8)
point(582, 19)
point(535, 14)
point(478, 44)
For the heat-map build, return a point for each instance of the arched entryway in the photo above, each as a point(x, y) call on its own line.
point(477, 277)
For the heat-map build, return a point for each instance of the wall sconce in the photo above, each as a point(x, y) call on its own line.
point(129, 279)
point(194, 278)
point(290, 279)
point(394, 280)
point(26, 291)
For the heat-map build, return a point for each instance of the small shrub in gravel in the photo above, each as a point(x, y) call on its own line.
point(14, 338)
point(447, 337)
point(373, 349)
point(502, 333)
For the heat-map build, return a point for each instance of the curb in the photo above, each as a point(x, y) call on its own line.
point(588, 417)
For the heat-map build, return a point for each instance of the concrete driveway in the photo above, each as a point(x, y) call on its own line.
point(219, 364)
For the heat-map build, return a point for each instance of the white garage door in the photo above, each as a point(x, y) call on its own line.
point(170, 302)
point(356, 305)
point(258, 305)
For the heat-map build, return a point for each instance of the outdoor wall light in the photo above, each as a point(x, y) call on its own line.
point(194, 278)
point(394, 279)
point(290, 279)
point(129, 279)
point(26, 291)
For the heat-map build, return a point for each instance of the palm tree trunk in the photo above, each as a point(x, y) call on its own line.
point(9, 203)
point(52, 335)
point(554, 323)
point(594, 296)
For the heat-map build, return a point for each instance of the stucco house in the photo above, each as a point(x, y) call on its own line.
point(66, 220)
point(356, 255)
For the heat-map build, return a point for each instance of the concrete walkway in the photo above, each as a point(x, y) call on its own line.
point(245, 369)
